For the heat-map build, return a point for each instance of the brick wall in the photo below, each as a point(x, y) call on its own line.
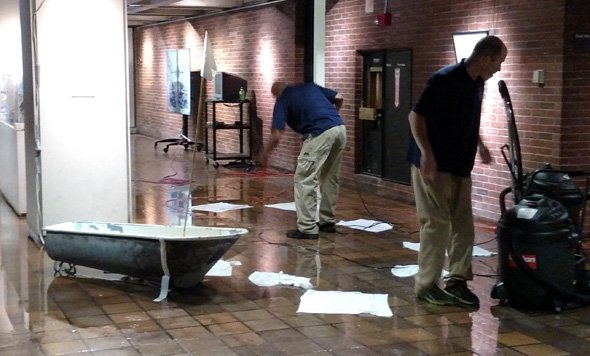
point(258, 45)
point(576, 88)
point(263, 45)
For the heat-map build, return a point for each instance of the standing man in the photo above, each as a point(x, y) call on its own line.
point(445, 139)
point(311, 111)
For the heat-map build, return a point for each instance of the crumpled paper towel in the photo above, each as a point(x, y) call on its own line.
point(222, 268)
point(267, 279)
point(334, 302)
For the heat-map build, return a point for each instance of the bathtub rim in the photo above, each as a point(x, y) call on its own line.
point(213, 232)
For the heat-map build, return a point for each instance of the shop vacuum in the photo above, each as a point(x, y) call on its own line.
point(541, 263)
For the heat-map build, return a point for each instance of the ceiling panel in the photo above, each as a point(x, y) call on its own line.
point(151, 12)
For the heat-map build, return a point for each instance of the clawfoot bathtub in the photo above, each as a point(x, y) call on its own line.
point(173, 255)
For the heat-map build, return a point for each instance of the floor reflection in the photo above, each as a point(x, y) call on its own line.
point(98, 313)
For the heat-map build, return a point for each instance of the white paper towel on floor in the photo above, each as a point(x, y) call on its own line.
point(477, 251)
point(334, 302)
point(408, 271)
point(267, 279)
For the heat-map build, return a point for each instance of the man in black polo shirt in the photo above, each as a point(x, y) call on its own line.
point(445, 139)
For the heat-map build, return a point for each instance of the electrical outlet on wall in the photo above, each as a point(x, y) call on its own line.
point(539, 76)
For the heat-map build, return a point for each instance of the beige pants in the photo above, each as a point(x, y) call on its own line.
point(446, 225)
point(318, 166)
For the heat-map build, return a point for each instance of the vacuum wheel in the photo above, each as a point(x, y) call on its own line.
point(557, 305)
point(499, 292)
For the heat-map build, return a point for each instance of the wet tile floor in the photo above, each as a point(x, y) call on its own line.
point(98, 313)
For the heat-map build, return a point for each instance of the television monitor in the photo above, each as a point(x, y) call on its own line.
point(226, 87)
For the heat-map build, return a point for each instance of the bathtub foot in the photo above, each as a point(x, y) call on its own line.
point(163, 289)
point(58, 268)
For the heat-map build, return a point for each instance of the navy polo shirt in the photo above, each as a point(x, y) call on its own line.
point(451, 106)
point(307, 108)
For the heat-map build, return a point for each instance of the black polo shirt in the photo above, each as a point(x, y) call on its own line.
point(451, 105)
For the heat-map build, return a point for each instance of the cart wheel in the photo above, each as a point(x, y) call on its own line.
point(186, 147)
point(58, 268)
point(216, 165)
point(165, 149)
point(199, 147)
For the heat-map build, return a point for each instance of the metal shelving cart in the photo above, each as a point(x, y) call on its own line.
point(242, 126)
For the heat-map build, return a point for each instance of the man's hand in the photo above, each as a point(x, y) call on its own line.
point(428, 166)
point(273, 141)
point(484, 154)
point(263, 159)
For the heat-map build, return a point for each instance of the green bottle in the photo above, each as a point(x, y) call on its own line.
point(242, 94)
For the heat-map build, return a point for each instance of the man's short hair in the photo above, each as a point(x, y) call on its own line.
point(488, 46)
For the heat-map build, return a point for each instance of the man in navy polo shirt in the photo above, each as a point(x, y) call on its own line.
point(445, 139)
point(311, 111)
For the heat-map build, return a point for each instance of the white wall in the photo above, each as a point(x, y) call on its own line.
point(12, 168)
point(83, 129)
point(11, 67)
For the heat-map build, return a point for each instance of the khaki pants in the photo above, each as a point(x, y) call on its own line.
point(446, 225)
point(318, 166)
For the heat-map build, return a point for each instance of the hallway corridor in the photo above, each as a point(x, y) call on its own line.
point(98, 313)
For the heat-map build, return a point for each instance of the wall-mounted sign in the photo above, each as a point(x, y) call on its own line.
point(582, 40)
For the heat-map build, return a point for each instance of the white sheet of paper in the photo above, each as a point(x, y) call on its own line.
point(482, 252)
point(477, 251)
point(366, 225)
point(334, 302)
point(219, 207)
point(291, 207)
point(283, 206)
point(222, 268)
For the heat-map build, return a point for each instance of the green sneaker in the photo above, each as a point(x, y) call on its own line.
point(462, 293)
point(436, 296)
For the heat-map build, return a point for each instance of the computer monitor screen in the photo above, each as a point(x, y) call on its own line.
point(226, 87)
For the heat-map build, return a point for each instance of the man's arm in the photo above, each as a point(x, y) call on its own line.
point(273, 141)
point(484, 152)
point(428, 166)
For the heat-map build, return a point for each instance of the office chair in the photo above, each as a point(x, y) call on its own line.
point(181, 140)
